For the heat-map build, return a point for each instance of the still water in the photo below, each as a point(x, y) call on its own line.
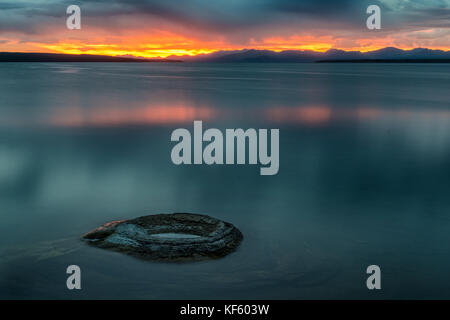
point(364, 178)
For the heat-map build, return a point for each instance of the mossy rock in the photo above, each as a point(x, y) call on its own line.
point(174, 237)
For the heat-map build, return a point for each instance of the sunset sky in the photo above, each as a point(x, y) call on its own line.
point(161, 28)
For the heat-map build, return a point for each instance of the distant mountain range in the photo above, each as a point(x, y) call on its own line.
point(388, 54)
point(333, 55)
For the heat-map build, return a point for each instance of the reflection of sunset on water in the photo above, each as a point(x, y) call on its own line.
point(180, 114)
point(319, 115)
point(401, 114)
point(152, 115)
point(303, 115)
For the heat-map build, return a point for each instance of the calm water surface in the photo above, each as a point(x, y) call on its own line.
point(364, 177)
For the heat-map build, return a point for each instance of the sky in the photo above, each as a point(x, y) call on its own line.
point(162, 28)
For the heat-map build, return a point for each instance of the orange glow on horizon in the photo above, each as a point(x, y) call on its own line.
point(112, 50)
point(163, 44)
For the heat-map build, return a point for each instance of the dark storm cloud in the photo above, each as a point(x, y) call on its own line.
point(433, 18)
point(11, 5)
point(229, 15)
point(318, 8)
point(225, 15)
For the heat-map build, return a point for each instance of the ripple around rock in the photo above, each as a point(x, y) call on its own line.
point(148, 237)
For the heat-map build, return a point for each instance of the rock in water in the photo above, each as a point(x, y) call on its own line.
point(168, 237)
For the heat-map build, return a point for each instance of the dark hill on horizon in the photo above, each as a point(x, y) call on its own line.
point(59, 57)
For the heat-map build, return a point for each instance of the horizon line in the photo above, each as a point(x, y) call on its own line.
point(133, 56)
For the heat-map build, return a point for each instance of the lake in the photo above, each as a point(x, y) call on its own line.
point(364, 178)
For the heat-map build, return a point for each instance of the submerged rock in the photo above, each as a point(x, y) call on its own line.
point(168, 237)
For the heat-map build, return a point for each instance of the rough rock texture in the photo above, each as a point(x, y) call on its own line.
point(141, 237)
